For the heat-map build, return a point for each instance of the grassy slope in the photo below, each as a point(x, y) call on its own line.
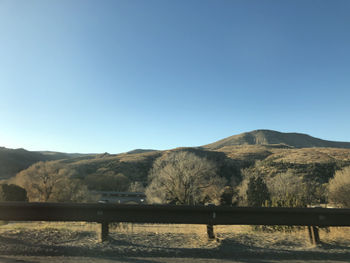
point(272, 158)
point(137, 165)
point(14, 160)
point(134, 166)
point(318, 164)
point(268, 137)
point(283, 153)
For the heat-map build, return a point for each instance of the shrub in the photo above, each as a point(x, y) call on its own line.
point(257, 192)
point(339, 188)
point(11, 192)
point(287, 190)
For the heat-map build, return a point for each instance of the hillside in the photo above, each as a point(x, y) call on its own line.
point(101, 171)
point(14, 160)
point(269, 137)
point(96, 170)
point(134, 166)
point(140, 151)
point(59, 155)
point(264, 152)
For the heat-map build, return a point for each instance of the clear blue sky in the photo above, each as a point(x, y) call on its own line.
point(112, 76)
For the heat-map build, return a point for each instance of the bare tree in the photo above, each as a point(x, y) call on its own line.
point(285, 184)
point(287, 189)
point(72, 190)
point(183, 178)
point(339, 188)
point(47, 181)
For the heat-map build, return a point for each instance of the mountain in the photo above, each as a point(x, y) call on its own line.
point(270, 137)
point(266, 152)
point(14, 160)
point(59, 155)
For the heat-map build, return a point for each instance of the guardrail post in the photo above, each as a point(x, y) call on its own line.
point(314, 235)
point(210, 226)
point(210, 231)
point(104, 231)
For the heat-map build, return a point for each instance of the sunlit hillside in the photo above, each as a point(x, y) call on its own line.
point(261, 158)
point(267, 137)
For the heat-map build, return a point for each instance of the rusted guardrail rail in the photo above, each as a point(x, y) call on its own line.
point(171, 214)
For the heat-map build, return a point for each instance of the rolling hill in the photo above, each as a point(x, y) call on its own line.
point(264, 151)
point(270, 137)
point(14, 160)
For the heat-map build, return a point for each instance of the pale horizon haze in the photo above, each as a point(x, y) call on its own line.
point(112, 76)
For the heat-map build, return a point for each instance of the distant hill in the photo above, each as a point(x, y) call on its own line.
point(269, 137)
point(59, 155)
point(264, 152)
point(14, 160)
point(140, 151)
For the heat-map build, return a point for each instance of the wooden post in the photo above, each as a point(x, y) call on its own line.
point(104, 231)
point(210, 232)
point(314, 235)
point(210, 225)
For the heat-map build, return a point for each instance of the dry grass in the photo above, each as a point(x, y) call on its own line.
point(311, 155)
point(339, 236)
point(336, 235)
point(74, 226)
point(284, 154)
point(159, 228)
point(243, 233)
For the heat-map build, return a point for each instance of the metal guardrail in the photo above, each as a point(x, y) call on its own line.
point(172, 214)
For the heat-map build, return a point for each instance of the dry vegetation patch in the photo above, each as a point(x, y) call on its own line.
point(311, 155)
point(82, 239)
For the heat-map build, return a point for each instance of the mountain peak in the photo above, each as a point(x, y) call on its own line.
point(266, 137)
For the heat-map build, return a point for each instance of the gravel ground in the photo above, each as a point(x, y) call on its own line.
point(67, 245)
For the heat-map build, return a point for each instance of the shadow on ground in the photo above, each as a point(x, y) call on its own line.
point(226, 249)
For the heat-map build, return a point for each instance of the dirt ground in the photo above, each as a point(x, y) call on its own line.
point(79, 242)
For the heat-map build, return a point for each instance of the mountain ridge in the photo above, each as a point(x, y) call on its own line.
point(245, 148)
point(14, 160)
point(271, 137)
